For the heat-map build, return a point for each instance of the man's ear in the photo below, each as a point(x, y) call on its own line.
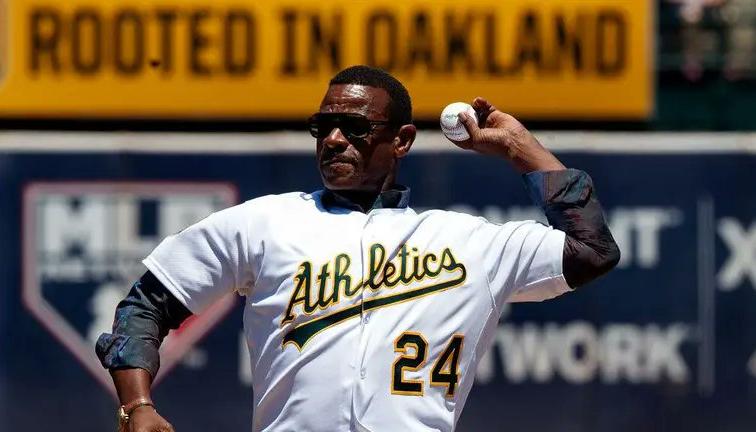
point(404, 140)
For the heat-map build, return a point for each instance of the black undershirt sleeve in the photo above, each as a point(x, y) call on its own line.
point(142, 320)
point(570, 203)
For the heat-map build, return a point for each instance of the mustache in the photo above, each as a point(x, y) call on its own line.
point(336, 158)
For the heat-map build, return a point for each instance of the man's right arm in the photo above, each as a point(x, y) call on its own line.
point(131, 352)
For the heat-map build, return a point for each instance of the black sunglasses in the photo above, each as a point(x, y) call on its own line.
point(352, 125)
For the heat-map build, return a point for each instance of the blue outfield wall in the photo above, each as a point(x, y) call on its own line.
point(667, 342)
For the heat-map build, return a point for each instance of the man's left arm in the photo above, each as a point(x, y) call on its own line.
point(566, 195)
point(569, 201)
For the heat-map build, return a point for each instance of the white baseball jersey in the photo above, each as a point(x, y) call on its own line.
point(360, 321)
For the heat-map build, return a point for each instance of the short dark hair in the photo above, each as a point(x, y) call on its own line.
point(400, 106)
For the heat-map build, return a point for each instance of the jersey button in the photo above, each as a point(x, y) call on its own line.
point(366, 319)
point(363, 373)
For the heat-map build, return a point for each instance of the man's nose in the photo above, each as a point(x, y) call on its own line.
point(336, 139)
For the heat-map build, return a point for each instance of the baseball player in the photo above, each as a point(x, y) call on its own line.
point(360, 313)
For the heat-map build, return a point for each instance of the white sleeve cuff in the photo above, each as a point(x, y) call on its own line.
point(169, 284)
point(541, 290)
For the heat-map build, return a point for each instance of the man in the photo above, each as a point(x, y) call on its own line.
point(361, 314)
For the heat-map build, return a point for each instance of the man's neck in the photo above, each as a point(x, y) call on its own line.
point(364, 199)
point(395, 197)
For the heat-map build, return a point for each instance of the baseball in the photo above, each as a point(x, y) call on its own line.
point(450, 124)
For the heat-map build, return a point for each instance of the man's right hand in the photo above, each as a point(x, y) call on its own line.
point(134, 385)
point(146, 419)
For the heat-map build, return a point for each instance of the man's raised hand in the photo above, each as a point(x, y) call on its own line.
point(499, 134)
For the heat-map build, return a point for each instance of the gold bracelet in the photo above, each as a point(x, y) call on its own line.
point(124, 411)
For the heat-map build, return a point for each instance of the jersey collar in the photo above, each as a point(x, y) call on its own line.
point(396, 197)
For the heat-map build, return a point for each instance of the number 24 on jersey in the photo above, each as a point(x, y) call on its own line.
point(413, 349)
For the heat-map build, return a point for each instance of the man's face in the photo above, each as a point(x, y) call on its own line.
point(350, 163)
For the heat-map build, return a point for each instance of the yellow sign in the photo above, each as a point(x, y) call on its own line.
point(549, 59)
point(3, 40)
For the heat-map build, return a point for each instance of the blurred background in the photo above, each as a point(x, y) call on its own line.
point(123, 122)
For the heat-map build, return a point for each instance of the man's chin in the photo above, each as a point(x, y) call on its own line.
point(334, 180)
point(337, 175)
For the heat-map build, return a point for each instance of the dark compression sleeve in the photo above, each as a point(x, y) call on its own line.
point(141, 322)
point(570, 203)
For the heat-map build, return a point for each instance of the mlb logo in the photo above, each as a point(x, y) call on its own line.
point(83, 245)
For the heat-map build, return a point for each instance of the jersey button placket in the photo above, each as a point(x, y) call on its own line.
point(367, 241)
point(359, 353)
